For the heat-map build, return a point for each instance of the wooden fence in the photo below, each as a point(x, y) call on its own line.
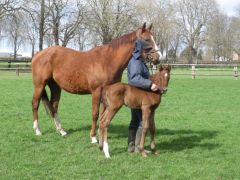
point(193, 70)
point(197, 70)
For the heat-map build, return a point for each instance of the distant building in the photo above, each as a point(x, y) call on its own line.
point(236, 56)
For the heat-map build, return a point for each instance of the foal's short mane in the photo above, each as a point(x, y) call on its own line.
point(154, 78)
point(125, 39)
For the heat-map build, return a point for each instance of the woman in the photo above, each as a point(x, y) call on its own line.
point(138, 75)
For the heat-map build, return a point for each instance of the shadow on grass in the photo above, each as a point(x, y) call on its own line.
point(177, 140)
point(186, 139)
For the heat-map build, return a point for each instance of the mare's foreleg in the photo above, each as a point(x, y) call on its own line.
point(96, 97)
point(35, 104)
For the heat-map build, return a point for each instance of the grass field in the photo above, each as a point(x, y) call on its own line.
point(198, 135)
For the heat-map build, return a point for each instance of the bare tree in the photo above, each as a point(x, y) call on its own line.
point(194, 16)
point(64, 18)
point(236, 33)
point(223, 37)
point(108, 19)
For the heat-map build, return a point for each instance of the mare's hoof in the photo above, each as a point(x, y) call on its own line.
point(101, 147)
point(94, 140)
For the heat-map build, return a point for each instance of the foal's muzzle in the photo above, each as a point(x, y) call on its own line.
point(164, 91)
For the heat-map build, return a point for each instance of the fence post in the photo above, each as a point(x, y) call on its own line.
point(193, 71)
point(235, 72)
point(17, 69)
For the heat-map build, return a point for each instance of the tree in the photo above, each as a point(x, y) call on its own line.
point(63, 20)
point(108, 19)
point(194, 16)
point(16, 31)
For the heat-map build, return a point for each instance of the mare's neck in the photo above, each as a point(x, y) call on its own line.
point(121, 50)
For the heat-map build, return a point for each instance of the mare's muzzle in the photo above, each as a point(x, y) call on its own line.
point(153, 56)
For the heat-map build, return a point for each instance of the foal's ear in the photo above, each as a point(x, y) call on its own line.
point(169, 67)
point(160, 67)
point(150, 27)
point(144, 27)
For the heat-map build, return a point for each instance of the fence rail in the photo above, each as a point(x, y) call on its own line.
point(194, 70)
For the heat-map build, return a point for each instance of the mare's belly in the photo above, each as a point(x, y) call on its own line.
point(73, 83)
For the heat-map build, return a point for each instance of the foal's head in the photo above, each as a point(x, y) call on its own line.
point(162, 77)
point(150, 50)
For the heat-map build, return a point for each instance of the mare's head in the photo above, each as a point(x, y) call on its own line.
point(162, 77)
point(150, 51)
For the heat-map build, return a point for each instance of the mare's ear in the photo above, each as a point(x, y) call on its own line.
point(144, 27)
point(150, 27)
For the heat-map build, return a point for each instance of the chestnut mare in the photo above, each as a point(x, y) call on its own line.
point(83, 73)
point(119, 94)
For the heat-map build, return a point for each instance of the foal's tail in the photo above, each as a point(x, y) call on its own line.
point(46, 102)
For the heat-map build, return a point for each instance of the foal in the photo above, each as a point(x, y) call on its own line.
point(116, 95)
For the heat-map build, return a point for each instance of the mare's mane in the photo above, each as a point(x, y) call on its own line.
point(125, 39)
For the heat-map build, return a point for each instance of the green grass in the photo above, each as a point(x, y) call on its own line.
point(197, 135)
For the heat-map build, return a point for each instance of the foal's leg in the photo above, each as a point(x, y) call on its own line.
point(35, 104)
point(104, 128)
point(152, 133)
point(102, 119)
point(146, 115)
point(55, 97)
point(96, 95)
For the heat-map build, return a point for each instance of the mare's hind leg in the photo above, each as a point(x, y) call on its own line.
point(55, 97)
point(96, 95)
point(35, 104)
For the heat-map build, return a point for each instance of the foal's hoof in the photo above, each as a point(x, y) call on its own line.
point(94, 140)
point(144, 154)
point(63, 133)
point(155, 152)
point(38, 132)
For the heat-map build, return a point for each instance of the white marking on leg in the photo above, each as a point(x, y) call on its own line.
point(105, 149)
point(58, 125)
point(36, 128)
point(94, 140)
point(155, 46)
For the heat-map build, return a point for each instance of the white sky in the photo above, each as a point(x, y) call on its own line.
point(229, 6)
